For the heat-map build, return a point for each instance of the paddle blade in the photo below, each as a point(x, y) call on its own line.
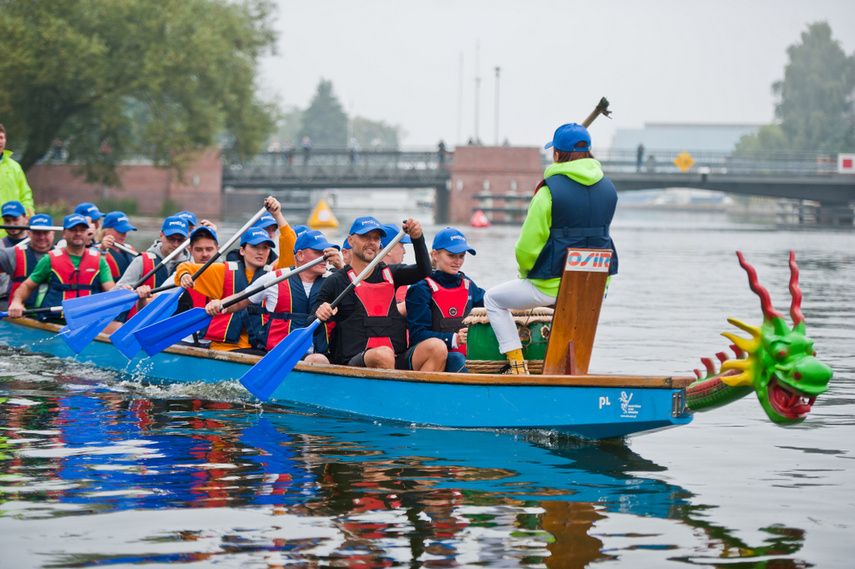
point(79, 338)
point(161, 307)
point(159, 336)
point(263, 378)
point(82, 310)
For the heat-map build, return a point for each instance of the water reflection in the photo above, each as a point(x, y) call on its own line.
point(229, 483)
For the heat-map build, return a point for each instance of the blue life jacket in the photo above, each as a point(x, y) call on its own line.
point(581, 216)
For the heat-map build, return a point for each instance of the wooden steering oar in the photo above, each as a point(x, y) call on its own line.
point(265, 376)
point(159, 336)
point(164, 305)
point(602, 108)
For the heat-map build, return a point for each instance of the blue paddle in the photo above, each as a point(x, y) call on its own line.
point(160, 336)
point(79, 338)
point(82, 310)
point(264, 377)
point(154, 311)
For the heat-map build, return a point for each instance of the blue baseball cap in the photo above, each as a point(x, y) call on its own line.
point(265, 220)
point(346, 244)
point(312, 240)
point(452, 241)
point(187, 216)
point(256, 236)
point(567, 136)
point(90, 210)
point(119, 221)
point(174, 225)
point(13, 209)
point(300, 229)
point(205, 229)
point(362, 225)
point(41, 220)
point(391, 231)
point(73, 220)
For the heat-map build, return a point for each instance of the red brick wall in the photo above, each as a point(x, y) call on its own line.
point(200, 190)
point(505, 169)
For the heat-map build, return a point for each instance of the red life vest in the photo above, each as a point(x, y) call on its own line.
point(227, 327)
point(118, 261)
point(148, 263)
point(25, 262)
point(292, 312)
point(67, 282)
point(378, 311)
point(449, 307)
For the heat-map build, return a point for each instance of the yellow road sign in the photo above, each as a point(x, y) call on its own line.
point(684, 161)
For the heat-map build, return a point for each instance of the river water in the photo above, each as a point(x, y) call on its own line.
point(99, 469)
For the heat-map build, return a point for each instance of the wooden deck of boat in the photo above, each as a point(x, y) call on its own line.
point(587, 380)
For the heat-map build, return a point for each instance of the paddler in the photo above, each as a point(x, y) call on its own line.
point(437, 305)
point(114, 229)
point(18, 262)
point(369, 330)
point(286, 305)
point(572, 207)
point(71, 271)
point(203, 246)
point(173, 233)
point(14, 213)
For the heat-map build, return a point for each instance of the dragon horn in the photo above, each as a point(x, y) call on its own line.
point(769, 311)
point(796, 292)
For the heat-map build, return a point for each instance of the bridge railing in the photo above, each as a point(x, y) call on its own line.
point(765, 163)
point(399, 159)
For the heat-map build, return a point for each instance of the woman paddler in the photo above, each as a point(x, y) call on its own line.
point(572, 207)
point(437, 305)
point(240, 331)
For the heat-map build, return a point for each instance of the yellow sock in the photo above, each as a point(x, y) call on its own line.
point(515, 355)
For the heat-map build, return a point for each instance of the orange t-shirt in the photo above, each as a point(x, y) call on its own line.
point(211, 282)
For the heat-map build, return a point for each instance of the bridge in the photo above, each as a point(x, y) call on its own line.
point(797, 176)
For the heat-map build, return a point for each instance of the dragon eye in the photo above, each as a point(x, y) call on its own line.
point(782, 354)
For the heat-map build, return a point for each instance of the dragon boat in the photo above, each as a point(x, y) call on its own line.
point(777, 362)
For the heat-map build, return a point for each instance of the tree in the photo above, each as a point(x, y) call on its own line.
point(816, 105)
point(130, 78)
point(373, 134)
point(325, 121)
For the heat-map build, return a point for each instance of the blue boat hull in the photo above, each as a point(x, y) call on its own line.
point(590, 406)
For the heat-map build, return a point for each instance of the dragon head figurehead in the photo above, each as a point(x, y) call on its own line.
point(779, 363)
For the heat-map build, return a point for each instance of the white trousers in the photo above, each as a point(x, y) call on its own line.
point(518, 294)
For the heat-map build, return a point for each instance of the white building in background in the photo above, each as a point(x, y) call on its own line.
point(658, 137)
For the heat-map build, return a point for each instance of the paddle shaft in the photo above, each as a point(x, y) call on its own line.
point(43, 310)
point(33, 227)
point(126, 249)
point(286, 275)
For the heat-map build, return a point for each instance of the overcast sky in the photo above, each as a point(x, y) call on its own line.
point(413, 63)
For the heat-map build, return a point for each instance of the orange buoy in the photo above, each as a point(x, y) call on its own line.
point(479, 219)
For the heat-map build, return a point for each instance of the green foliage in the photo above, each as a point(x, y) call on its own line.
point(128, 206)
point(57, 210)
point(815, 109)
point(325, 121)
point(168, 207)
point(375, 134)
point(120, 79)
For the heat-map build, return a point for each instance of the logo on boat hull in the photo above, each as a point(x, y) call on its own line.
point(628, 410)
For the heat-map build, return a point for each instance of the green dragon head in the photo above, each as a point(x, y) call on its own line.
point(780, 363)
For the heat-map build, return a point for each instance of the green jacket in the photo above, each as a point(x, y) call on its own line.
point(13, 185)
point(538, 221)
